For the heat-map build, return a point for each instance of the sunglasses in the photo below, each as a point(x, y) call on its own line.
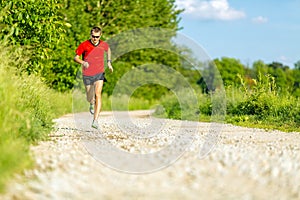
point(93, 36)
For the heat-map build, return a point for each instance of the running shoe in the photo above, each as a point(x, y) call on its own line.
point(95, 124)
point(92, 109)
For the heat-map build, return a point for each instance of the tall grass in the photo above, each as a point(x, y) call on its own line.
point(27, 109)
point(261, 105)
point(264, 106)
point(14, 154)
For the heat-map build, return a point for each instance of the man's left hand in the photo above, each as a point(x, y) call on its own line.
point(111, 69)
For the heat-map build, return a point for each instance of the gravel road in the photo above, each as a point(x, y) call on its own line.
point(245, 163)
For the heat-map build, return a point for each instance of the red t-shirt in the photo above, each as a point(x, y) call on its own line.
point(94, 55)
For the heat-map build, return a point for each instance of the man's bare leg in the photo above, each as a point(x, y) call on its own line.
point(98, 99)
point(90, 96)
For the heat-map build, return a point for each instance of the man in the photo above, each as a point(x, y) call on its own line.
point(92, 62)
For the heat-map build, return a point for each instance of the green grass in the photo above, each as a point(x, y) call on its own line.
point(14, 154)
point(122, 102)
point(260, 106)
point(27, 108)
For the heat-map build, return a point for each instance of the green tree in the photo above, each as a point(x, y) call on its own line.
point(115, 17)
point(297, 65)
point(37, 26)
point(229, 69)
point(53, 29)
point(279, 72)
point(259, 67)
point(276, 65)
point(296, 76)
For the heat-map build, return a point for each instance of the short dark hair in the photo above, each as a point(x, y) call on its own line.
point(96, 29)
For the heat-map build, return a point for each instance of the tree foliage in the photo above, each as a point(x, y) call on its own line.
point(37, 26)
point(229, 68)
point(52, 29)
point(114, 17)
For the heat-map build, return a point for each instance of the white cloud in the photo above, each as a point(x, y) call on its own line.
point(260, 20)
point(210, 9)
point(283, 58)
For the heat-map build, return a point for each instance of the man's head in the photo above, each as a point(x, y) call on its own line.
point(96, 34)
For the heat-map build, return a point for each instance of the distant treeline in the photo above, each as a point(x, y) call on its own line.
point(287, 80)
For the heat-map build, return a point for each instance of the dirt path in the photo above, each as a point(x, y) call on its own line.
point(245, 164)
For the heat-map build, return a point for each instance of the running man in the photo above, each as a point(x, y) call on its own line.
point(92, 62)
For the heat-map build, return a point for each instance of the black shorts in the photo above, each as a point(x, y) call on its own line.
point(90, 80)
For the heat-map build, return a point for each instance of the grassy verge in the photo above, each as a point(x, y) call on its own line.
point(261, 106)
point(26, 113)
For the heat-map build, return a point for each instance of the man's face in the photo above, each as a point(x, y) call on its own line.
point(95, 37)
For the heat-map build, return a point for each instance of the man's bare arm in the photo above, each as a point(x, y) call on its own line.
point(79, 61)
point(109, 60)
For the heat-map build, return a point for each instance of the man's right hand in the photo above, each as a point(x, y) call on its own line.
point(85, 64)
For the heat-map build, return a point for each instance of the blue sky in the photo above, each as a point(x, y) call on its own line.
point(248, 30)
